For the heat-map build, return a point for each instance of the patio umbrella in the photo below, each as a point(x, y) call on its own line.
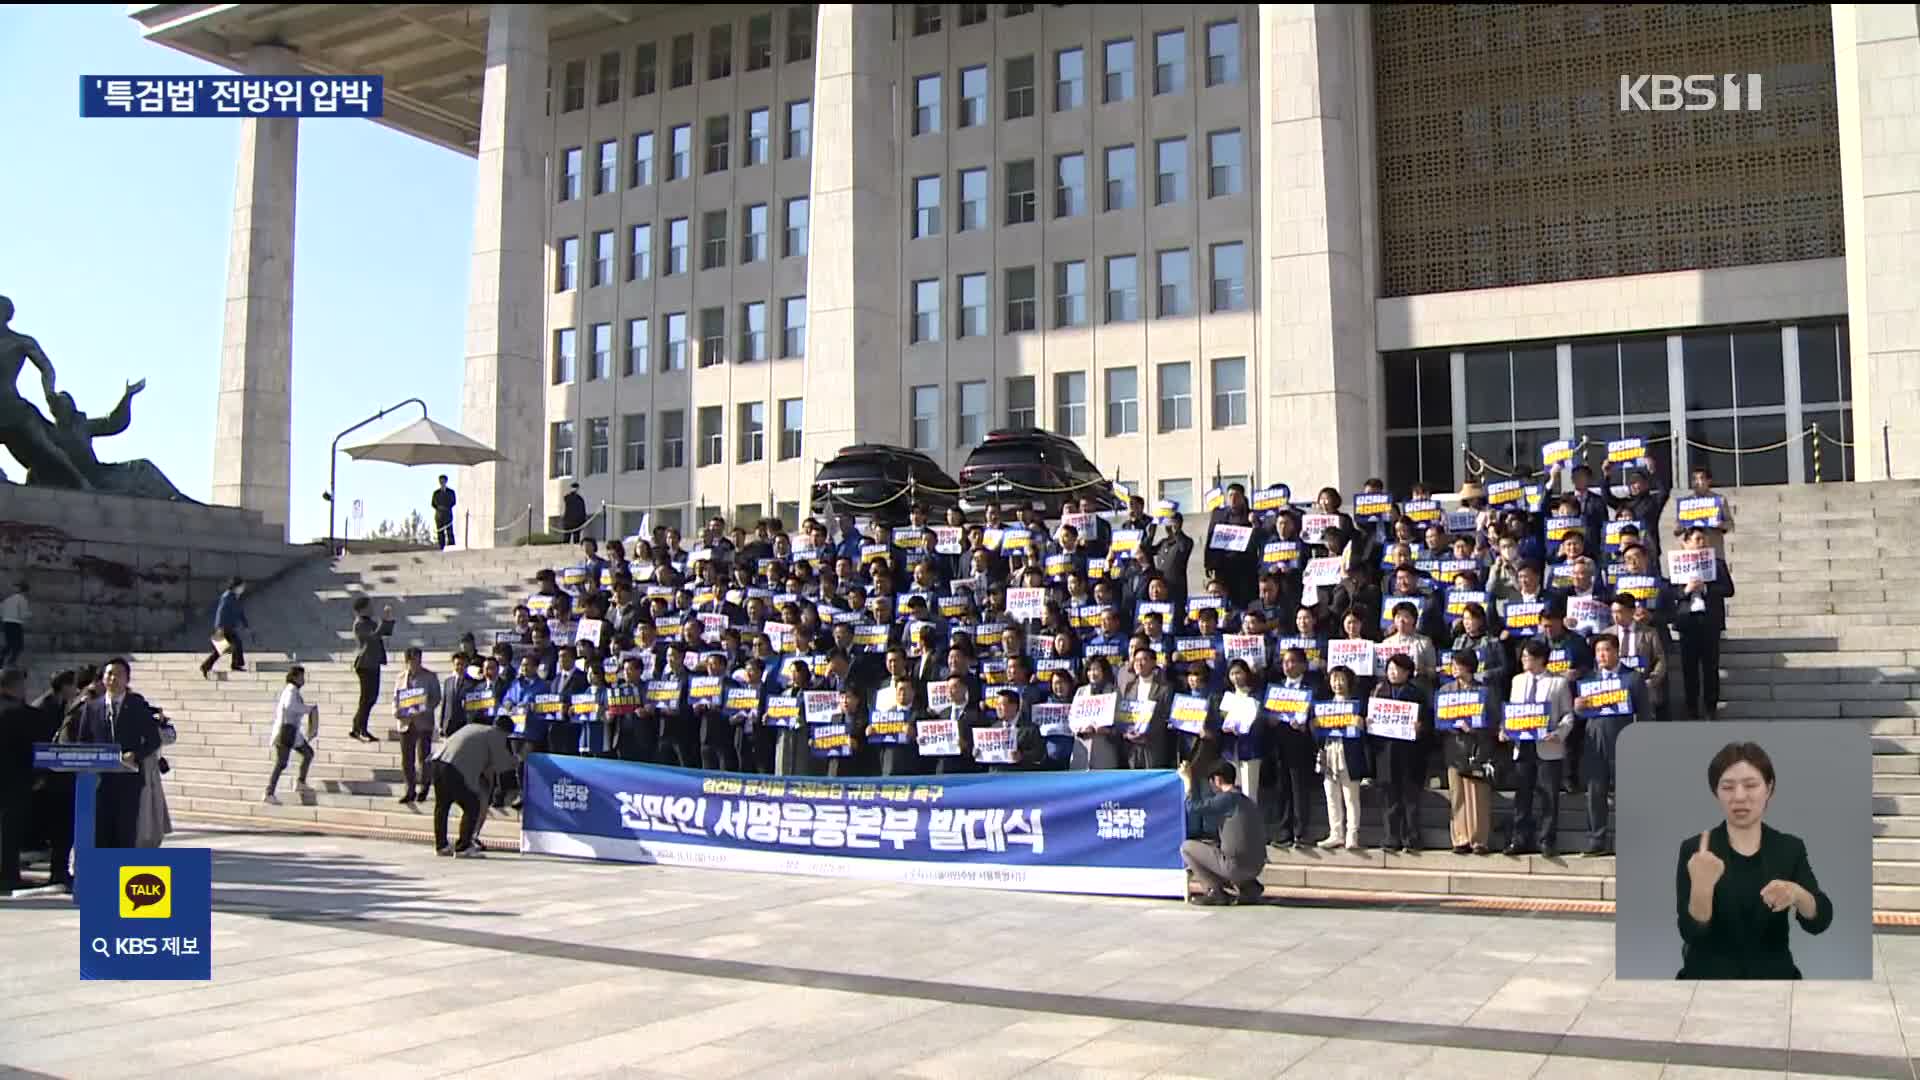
point(424, 442)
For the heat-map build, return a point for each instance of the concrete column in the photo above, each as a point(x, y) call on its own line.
point(253, 426)
point(501, 403)
point(1318, 247)
point(1877, 75)
point(853, 266)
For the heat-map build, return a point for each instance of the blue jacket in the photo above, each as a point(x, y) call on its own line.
point(229, 614)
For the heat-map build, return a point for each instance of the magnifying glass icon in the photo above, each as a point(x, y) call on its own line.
point(100, 946)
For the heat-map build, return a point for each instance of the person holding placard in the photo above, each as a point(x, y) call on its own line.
point(1700, 615)
point(1417, 646)
point(1195, 718)
point(1642, 648)
point(1490, 654)
point(1469, 748)
point(1170, 555)
point(838, 742)
point(1290, 756)
point(1537, 763)
point(1242, 725)
point(717, 746)
point(1097, 748)
point(1153, 747)
point(1237, 568)
point(1614, 697)
point(1343, 759)
point(292, 716)
point(1357, 589)
point(961, 711)
point(1705, 507)
point(1011, 715)
point(1644, 504)
point(1400, 761)
point(1355, 627)
point(416, 704)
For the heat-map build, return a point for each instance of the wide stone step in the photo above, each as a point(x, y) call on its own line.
point(501, 829)
point(1487, 881)
point(1896, 897)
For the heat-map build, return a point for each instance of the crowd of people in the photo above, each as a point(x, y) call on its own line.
point(1396, 645)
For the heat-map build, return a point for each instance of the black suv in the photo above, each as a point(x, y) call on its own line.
point(1014, 461)
point(864, 476)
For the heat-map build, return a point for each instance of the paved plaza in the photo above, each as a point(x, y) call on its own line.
point(351, 958)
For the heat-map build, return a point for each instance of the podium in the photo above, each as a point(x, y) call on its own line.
point(86, 761)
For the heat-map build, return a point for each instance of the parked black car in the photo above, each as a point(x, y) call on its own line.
point(864, 476)
point(1013, 461)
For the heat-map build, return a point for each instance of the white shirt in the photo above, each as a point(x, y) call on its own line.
point(292, 710)
point(14, 609)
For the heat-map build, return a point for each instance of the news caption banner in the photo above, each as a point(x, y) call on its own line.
point(261, 96)
point(1109, 833)
point(145, 913)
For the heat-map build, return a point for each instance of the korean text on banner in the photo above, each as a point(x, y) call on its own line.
point(1701, 510)
point(1355, 654)
point(1239, 712)
point(1249, 647)
point(1460, 708)
point(1313, 527)
point(1287, 704)
point(1372, 507)
point(1692, 565)
point(1558, 452)
point(1392, 719)
point(994, 745)
point(1189, 713)
point(1524, 721)
point(1230, 537)
point(1336, 719)
point(1053, 719)
point(938, 738)
point(145, 913)
point(1605, 695)
point(1092, 712)
point(1324, 571)
point(1025, 604)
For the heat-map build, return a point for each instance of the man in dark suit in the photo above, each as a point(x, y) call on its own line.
point(123, 718)
point(1170, 554)
point(573, 515)
point(1238, 569)
point(1145, 681)
point(19, 729)
point(368, 659)
point(443, 503)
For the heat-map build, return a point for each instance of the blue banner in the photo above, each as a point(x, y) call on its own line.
point(1107, 832)
point(232, 95)
point(145, 913)
point(79, 757)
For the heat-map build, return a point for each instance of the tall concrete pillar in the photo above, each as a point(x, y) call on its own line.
point(853, 266)
point(506, 315)
point(253, 426)
point(1319, 248)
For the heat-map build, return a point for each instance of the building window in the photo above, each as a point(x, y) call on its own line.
point(720, 52)
point(1123, 401)
point(799, 33)
point(639, 346)
point(789, 514)
point(573, 92)
point(1021, 207)
point(1021, 407)
point(602, 258)
point(712, 439)
point(1176, 397)
point(560, 462)
point(973, 199)
point(799, 129)
point(681, 59)
point(600, 352)
point(753, 233)
point(793, 326)
point(1175, 276)
point(1013, 10)
point(1513, 403)
point(567, 266)
point(753, 432)
point(970, 426)
point(926, 19)
point(1123, 288)
point(1179, 493)
point(646, 68)
point(570, 174)
point(597, 445)
point(680, 152)
point(713, 336)
point(753, 331)
point(973, 306)
point(676, 337)
point(972, 14)
point(926, 105)
point(717, 144)
point(605, 177)
point(642, 173)
point(973, 97)
point(1229, 286)
point(713, 240)
point(673, 439)
point(1120, 177)
point(1736, 396)
point(563, 371)
point(926, 311)
point(609, 82)
point(1169, 171)
point(1418, 388)
point(753, 150)
point(1826, 400)
point(1118, 71)
point(794, 243)
point(925, 434)
point(1223, 53)
point(760, 42)
point(676, 246)
point(1223, 163)
point(1069, 185)
point(1170, 62)
point(1069, 294)
point(1022, 301)
point(1229, 392)
point(1069, 79)
point(1019, 76)
point(926, 206)
point(791, 412)
point(633, 442)
point(1070, 403)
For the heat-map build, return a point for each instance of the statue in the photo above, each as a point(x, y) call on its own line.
point(60, 453)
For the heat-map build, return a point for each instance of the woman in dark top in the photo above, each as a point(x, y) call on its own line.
point(1735, 883)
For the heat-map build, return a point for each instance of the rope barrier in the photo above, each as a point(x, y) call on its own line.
point(1478, 466)
point(1835, 440)
point(1782, 444)
point(515, 524)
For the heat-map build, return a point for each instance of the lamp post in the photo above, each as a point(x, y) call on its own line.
point(333, 462)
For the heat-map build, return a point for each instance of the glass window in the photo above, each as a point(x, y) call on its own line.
point(1169, 171)
point(1223, 164)
point(1229, 285)
point(602, 257)
point(598, 441)
point(717, 139)
point(720, 52)
point(1170, 62)
point(1180, 493)
point(646, 68)
point(972, 14)
point(793, 326)
point(925, 434)
point(1012, 10)
point(1643, 375)
point(760, 42)
point(1707, 364)
point(1120, 177)
point(1021, 208)
point(1229, 392)
point(681, 59)
point(673, 439)
point(633, 442)
point(1758, 374)
point(754, 150)
point(642, 160)
point(1123, 401)
point(1223, 53)
point(1123, 289)
point(712, 439)
point(926, 19)
point(753, 431)
point(1070, 293)
point(973, 199)
point(1176, 396)
point(972, 291)
point(926, 311)
point(676, 339)
point(561, 439)
point(563, 356)
point(1070, 403)
point(799, 33)
point(1022, 301)
point(1020, 402)
point(679, 151)
point(567, 265)
point(791, 412)
point(608, 85)
point(753, 331)
point(926, 206)
point(1069, 185)
point(570, 174)
point(795, 242)
point(713, 336)
point(639, 346)
point(1823, 365)
point(676, 246)
point(573, 93)
point(1419, 391)
point(1069, 79)
point(973, 96)
point(971, 430)
point(753, 233)
point(713, 245)
point(926, 105)
point(1019, 75)
point(605, 177)
point(1118, 70)
point(799, 129)
point(600, 357)
point(1175, 276)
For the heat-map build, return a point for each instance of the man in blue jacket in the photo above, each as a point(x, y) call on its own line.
point(229, 618)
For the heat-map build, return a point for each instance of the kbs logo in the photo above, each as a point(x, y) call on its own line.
point(1690, 93)
point(146, 892)
point(568, 795)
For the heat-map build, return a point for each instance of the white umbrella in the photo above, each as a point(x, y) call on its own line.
point(424, 442)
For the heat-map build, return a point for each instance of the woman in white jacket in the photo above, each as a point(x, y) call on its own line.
point(155, 821)
point(289, 733)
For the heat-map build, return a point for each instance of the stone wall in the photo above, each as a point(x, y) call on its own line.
point(109, 572)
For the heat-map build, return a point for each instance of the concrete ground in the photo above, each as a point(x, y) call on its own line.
point(350, 958)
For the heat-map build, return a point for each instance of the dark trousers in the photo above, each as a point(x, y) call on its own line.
point(239, 653)
point(1535, 778)
point(679, 741)
point(442, 530)
point(284, 746)
point(416, 758)
point(766, 749)
point(53, 809)
point(12, 642)
point(1603, 733)
point(369, 693)
point(116, 821)
point(1700, 659)
point(720, 757)
point(1576, 752)
point(639, 738)
point(563, 740)
point(1294, 785)
point(952, 766)
point(1401, 771)
point(449, 787)
point(14, 801)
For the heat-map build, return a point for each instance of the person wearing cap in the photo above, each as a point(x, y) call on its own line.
point(1238, 851)
point(573, 515)
point(229, 618)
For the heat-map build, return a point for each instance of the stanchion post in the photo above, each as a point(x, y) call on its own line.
point(529, 534)
point(1816, 451)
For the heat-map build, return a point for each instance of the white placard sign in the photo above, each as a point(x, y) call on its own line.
point(1392, 719)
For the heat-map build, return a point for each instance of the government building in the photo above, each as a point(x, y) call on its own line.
point(1301, 243)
